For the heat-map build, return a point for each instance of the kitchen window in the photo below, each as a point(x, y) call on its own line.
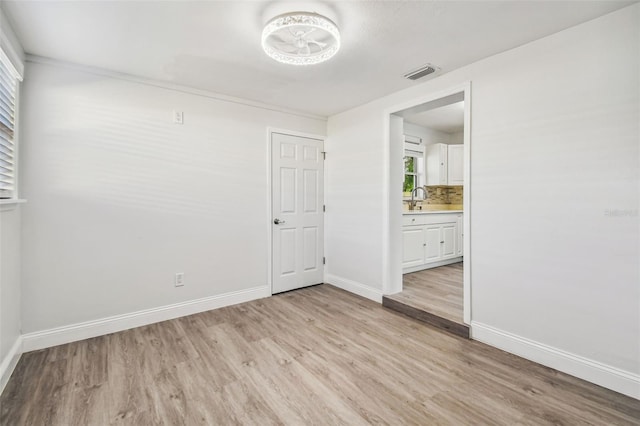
point(413, 171)
point(9, 81)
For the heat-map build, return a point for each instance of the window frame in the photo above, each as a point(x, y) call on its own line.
point(419, 175)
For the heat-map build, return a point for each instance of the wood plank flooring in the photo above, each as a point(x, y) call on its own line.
point(433, 296)
point(314, 356)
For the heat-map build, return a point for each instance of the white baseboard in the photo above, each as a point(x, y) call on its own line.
point(86, 330)
point(354, 287)
point(432, 265)
point(592, 371)
point(9, 363)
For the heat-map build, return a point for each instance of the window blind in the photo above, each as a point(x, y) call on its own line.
point(8, 152)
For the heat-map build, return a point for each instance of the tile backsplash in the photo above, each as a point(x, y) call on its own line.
point(441, 195)
point(444, 194)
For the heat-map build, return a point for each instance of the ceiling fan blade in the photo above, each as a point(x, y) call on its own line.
point(285, 47)
point(318, 43)
point(278, 38)
point(309, 32)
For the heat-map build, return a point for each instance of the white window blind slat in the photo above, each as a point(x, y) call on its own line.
point(7, 157)
point(6, 105)
point(8, 85)
point(6, 124)
point(5, 109)
point(7, 77)
point(6, 133)
point(5, 80)
point(6, 96)
point(6, 147)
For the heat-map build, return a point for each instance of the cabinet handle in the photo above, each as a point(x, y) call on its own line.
point(441, 242)
point(424, 244)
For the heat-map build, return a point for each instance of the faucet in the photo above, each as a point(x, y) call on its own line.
point(415, 193)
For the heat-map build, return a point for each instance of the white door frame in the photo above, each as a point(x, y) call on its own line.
point(270, 131)
point(392, 195)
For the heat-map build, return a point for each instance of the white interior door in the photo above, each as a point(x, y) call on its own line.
point(297, 211)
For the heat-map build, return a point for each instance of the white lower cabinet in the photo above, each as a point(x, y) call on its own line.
point(460, 236)
point(430, 239)
point(412, 246)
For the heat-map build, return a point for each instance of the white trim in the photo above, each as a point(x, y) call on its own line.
point(168, 86)
point(10, 204)
point(269, 212)
point(354, 287)
point(12, 201)
point(85, 330)
point(9, 363)
point(592, 371)
point(270, 131)
point(432, 265)
point(388, 285)
point(466, 208)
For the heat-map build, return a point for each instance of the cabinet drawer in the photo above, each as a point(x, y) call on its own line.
point(416, 219)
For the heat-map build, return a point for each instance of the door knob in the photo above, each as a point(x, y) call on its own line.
point(278, 221)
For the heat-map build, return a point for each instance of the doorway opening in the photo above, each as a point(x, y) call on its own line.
point(429, 210)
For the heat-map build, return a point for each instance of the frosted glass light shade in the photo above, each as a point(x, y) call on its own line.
point(300, 38)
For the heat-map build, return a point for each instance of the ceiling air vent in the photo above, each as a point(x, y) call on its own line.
point(421, 72)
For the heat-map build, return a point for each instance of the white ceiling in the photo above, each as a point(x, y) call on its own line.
point(215, 45)
point(448, 119)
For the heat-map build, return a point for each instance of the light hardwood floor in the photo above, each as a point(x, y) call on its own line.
point(314, 356)
point(433, 296)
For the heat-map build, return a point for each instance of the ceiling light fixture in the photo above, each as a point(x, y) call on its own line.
point(300, 38)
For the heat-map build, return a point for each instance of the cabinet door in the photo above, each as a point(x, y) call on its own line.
point(444, 164)
point(432, 241)
point(436, 164)
point(455, 159)
point(448, 241)
point(412, 246)
point(460, 247)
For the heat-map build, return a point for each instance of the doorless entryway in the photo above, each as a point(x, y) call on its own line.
point(429, 218)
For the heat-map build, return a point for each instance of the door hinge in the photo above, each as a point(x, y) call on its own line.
point(324, 208)
point(324, 260)
point(324, 155)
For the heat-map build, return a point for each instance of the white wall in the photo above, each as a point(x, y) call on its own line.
point(554, 148)
point(10, 217)
point(9, 290)
point(429, 136)
point(121, 198)
point(456, 138)
point(353, 184)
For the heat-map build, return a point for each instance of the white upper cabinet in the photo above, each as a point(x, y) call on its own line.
point(455, 166)
point(436, 164)
point(444, 164)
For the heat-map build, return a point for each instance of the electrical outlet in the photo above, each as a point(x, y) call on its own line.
point(178, 117)
point(179, 279)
